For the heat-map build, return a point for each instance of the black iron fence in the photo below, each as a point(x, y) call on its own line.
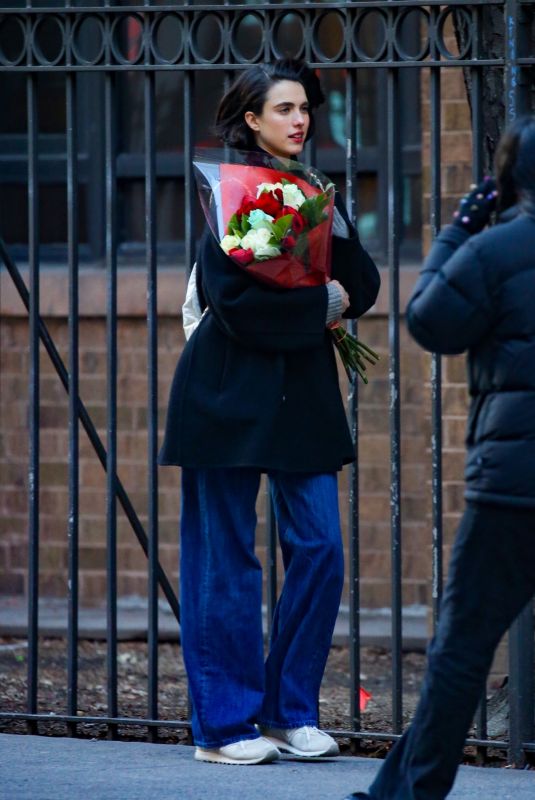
point(195, 41)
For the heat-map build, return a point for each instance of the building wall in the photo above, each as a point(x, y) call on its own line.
point(374, 444)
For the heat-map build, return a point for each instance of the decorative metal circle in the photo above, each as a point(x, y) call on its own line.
point(167, 38)
point(88, 39)
point(328, 41)
point(48, 39)
point(286, 31)
point(370, 35)
point(407, 19)
point(126, 38)
point(247, 37)
point(445, 20)
point(12, 41)
point(207, 37)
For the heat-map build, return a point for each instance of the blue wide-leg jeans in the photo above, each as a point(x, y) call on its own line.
point(232, 689)
point(491, 578)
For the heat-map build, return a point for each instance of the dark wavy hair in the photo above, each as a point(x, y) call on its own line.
point(248, 93)
point(515, 163)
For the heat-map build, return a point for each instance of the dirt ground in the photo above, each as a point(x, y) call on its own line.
point(172, 687)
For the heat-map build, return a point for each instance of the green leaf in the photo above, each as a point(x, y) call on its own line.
point(281, 226)
point(233, 225)
point(312, 209)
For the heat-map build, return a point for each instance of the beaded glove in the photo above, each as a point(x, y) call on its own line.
point(476, 207)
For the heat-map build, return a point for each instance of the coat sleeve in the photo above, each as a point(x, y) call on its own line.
point(451, 306)
point(354, 268)
point(260, 317)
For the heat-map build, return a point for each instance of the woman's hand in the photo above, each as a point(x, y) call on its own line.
point(476, 207)
point(343, 294)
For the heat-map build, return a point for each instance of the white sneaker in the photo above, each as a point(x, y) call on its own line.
point(245, 752)
point(307, 741)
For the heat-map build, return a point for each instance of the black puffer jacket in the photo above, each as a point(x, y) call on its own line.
point(478, 294)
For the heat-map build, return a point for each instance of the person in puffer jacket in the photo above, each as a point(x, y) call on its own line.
point(476, 293)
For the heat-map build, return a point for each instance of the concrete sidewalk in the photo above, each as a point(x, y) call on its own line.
point(47, 768)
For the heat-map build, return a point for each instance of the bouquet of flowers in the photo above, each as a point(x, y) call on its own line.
point(273, 218)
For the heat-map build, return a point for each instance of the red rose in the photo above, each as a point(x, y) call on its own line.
point(247, 205)
point(298, 220)
point(241, 256)
point(278, 194)
point(289, 242)
point(298, 223)
point(268, 204)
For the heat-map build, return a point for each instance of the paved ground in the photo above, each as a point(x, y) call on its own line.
point(46, 768)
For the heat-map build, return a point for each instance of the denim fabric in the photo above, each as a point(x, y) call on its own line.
point(491, 578)
point(221, 596)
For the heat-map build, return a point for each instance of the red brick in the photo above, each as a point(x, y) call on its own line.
point(456, 116)
point(455, 369)
point(13, 525)
point(92, 558)
point(13, 501)
point(454, 400)
point(454, 430)
point(13, 474)
point(453, 495)
point(453, 465)
point(132, 583)
point(11, 583)
point(453, 88)
point(52, 584)
point(92, 588)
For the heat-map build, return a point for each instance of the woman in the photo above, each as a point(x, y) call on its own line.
point(256, 391)
point(477, 293)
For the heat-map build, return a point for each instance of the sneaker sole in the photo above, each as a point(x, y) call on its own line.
point(332, 750)
point(217, 758)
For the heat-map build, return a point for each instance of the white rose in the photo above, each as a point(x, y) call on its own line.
point(258, 242)
point(267, 187)
point(259, 219)
point(292, 195)
point(229, 242)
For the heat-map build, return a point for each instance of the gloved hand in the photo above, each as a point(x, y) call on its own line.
point(476, 207)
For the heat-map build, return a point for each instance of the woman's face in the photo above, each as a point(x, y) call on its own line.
point(282, 126)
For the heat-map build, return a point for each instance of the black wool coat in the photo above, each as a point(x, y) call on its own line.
point(478, 294)
point(257, 382)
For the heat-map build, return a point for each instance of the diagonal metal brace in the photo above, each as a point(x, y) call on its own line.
point(89, 428)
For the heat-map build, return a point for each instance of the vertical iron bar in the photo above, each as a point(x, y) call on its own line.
point(477, 172)
point(111, 460)
point(436, 363)
point(521, 685)
point(152, 397)
point(189, 192)
point(72, 234)
point(189, 141)
point(354, 554)
point(477, 123)
point(394, 173)
point(33, 468)
point(521, 653)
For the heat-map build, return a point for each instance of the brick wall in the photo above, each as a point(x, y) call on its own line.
point(374, 440)
point(456, 177)
point(132, 443)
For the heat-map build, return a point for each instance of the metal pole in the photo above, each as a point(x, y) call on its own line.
point(74, 468)
point(111, 325)
point(33, 468)
point(394, 175)
point(152, 396)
